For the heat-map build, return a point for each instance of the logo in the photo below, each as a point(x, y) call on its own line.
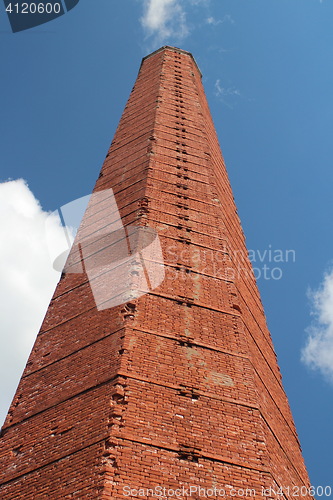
point(27, 14)
point(122, 262)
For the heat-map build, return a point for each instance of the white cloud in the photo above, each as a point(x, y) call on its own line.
point(223, 91)
point(215, 22)
point(226, 94)
point(164, 19)
point(318, 352)
point(28, 281)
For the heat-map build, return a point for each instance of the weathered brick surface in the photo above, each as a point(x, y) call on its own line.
point(57, 428)
point(66, 478)
point(177, 468)
point(54, 383)
point(180, 386)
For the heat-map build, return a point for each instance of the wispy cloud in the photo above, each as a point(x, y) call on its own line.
point(199, 2)
point(318, 351)
point(215, 22)
point(27, 280)
point(219, 90)
point(164, 19)
point(226, 93)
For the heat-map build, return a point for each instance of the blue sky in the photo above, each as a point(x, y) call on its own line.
point(268, 75)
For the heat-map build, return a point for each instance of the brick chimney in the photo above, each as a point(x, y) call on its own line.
point(154, 367)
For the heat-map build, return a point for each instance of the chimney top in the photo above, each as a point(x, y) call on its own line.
point(174, 49)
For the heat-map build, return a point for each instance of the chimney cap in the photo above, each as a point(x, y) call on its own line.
point(174, 49)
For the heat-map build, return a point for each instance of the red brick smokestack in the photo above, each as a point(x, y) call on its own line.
point(178, 386)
